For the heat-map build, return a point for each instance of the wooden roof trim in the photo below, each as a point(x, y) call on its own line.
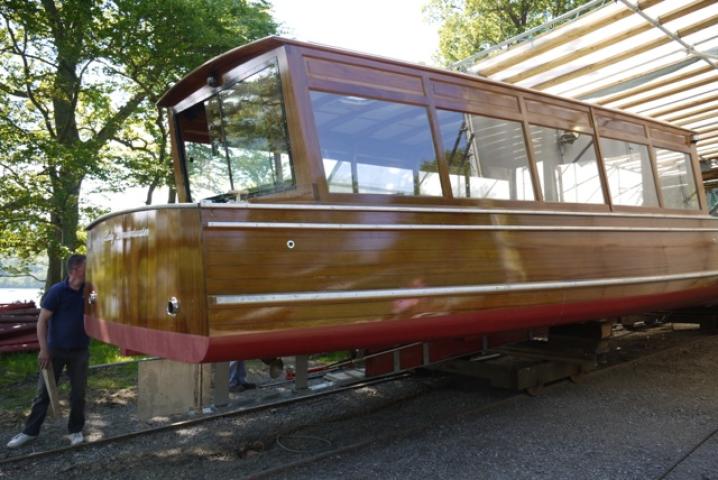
point(607, 42)
point(222, 63)
point(552, 39)
point(626, 54)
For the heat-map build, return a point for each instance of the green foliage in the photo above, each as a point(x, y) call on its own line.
point(78, 83)
point(468, 26)
point(18, 375)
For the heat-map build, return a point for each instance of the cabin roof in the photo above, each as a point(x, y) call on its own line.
point(221, 64)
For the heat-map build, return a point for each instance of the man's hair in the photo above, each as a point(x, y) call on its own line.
point(75, 261)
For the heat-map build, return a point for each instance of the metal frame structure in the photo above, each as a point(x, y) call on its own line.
point(650, 57)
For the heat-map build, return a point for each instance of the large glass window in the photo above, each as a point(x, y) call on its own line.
point(675, 174)
point(374, 146)
point(567, 166)
point(486, 156)
point(247, 153)
point(630, 176)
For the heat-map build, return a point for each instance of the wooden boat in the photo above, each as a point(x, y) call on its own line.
point(336, 200)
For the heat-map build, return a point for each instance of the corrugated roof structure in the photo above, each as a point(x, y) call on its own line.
point(657, 58)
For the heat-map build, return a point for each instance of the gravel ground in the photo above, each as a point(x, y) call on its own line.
point(631, 422)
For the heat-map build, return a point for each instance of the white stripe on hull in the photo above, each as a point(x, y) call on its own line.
point(284, 298)
point(400, 226)
point(497, 211)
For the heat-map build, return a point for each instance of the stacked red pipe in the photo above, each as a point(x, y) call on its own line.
point(18, 324)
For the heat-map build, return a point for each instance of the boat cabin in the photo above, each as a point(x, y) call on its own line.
point(280, 120)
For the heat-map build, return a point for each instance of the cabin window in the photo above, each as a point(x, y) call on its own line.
point(675, 175)
point(486, 156)
point(246, 152)
point(629, 172)
point(375, 146)
point(567, 166)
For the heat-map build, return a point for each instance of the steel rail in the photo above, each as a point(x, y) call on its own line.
point(196, 421)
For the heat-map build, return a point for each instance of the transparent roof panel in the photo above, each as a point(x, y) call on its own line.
point(661, 61)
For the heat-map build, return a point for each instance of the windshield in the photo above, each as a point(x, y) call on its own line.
point(247, 151)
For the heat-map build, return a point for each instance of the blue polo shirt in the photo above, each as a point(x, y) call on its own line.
point(67, 324)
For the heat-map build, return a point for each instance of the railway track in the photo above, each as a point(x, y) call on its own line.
point(201, 420)
point(422, 426)
point(325, 449)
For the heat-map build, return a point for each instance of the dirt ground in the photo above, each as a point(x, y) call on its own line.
point(633, 421)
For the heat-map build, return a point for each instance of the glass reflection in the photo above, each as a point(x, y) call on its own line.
point(567, 165)
point(246, 152)
point(675, 175)
point(375, 146)
point(486, 156)
point(629, 172)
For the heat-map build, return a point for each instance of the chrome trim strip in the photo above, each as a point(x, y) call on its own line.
point(275, 298)
point(381, 208)
point(399, 226)
point(167, 206)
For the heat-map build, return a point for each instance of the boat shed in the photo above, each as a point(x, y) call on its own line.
point(656, 58)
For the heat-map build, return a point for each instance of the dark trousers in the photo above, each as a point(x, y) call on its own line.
point(76, 362)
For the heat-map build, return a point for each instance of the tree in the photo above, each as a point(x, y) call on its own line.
point(79, 77)
point(468, 26)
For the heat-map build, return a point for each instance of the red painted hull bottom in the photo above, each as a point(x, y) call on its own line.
point(199, 349)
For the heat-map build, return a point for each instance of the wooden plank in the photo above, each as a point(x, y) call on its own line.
point(712, 113)
point(551, 111)
point(667, 93)
point(684, 114)
point(625, 54)
point(607, 42)
point(568, 34)
point(669, 137)
point(650, 86)
point(682, 106)
point(478, 98)
point(49, 378)
point(318, 70)
point(613, 125)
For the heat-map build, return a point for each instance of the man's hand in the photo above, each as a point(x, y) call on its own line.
point(43, 358)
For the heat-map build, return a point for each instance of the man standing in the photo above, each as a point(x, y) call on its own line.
point(63, 343)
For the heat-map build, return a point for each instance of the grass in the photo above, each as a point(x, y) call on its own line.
point(18, 375)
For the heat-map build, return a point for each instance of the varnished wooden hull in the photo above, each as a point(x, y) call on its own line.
point(261, 280)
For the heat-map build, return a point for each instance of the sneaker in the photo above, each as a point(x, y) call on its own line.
point(276, 367)
point(248, 386)
point(76, 438)
point(19, 440)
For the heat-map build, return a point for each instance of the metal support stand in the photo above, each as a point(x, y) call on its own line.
point(301, 373)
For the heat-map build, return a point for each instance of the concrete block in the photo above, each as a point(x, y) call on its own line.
point(167, 387)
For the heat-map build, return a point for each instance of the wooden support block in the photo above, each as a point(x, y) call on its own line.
point(48, 376)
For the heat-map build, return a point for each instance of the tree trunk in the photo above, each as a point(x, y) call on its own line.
point(151, 192)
